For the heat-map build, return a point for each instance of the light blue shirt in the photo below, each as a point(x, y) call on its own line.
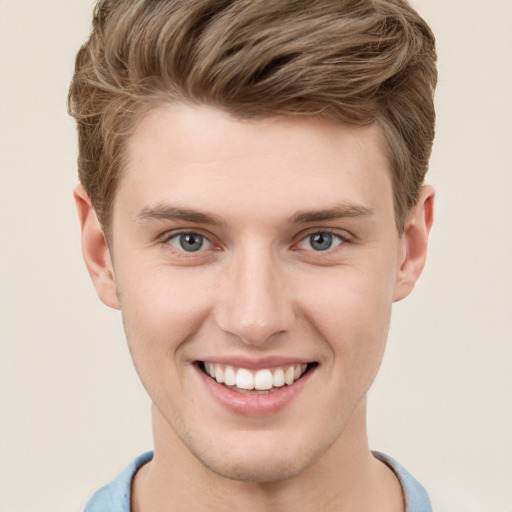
point(115, 496)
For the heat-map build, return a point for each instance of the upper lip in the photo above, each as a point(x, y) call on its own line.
point(251, 363)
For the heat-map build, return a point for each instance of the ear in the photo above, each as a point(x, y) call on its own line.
point(414, 243)
point(95, 250)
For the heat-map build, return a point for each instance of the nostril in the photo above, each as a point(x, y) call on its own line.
point(256, 309)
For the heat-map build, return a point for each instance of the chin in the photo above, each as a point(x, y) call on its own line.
point(262, 460)
point(257, 470)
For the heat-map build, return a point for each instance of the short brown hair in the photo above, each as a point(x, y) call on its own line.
point(356, 61)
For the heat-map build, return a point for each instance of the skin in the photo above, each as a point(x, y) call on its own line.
point(257, 288)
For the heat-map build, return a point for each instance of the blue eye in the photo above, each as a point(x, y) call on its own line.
point(320, 241)
point(189, 242)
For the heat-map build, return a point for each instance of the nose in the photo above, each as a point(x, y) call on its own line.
point(255, 300)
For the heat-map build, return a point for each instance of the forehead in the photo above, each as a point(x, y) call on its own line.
point(200, 156)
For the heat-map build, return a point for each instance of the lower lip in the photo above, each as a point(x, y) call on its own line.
point(249, 404)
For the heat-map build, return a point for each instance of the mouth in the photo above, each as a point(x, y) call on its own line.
point(262, 381)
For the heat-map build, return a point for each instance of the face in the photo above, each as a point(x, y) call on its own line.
point(255, 264)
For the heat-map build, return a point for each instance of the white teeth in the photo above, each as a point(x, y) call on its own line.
point(244, 379)
point(278, 378)
point(229, 376)
point(289, 376)
point(219, 374)
point(261, 380)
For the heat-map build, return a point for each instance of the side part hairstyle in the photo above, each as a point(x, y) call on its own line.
point(354, 61)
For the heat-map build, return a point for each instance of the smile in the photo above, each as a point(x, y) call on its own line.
point(262, 381)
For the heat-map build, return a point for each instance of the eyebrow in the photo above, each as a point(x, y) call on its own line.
point(165, 212)
point(337, 212)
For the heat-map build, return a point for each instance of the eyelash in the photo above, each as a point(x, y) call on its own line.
point(332, 234)
point(167, 238)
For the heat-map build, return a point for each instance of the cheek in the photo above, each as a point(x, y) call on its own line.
point(160, 308)
point(351, 308)
point(160, 314)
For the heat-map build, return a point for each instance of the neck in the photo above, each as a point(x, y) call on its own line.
point(345, 478)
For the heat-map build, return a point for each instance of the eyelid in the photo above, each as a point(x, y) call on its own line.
point(165, 238)
point(344, 236)
point(334, 235)
point(169, 235)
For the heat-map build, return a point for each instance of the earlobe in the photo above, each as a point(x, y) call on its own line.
point(415, 243)
point(95, 250)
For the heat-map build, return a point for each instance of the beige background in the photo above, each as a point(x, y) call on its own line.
point(72, 410)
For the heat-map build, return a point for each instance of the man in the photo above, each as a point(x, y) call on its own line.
point(251, 198)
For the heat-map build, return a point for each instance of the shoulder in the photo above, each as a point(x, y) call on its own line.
point(115, 496)
point(415, 495)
